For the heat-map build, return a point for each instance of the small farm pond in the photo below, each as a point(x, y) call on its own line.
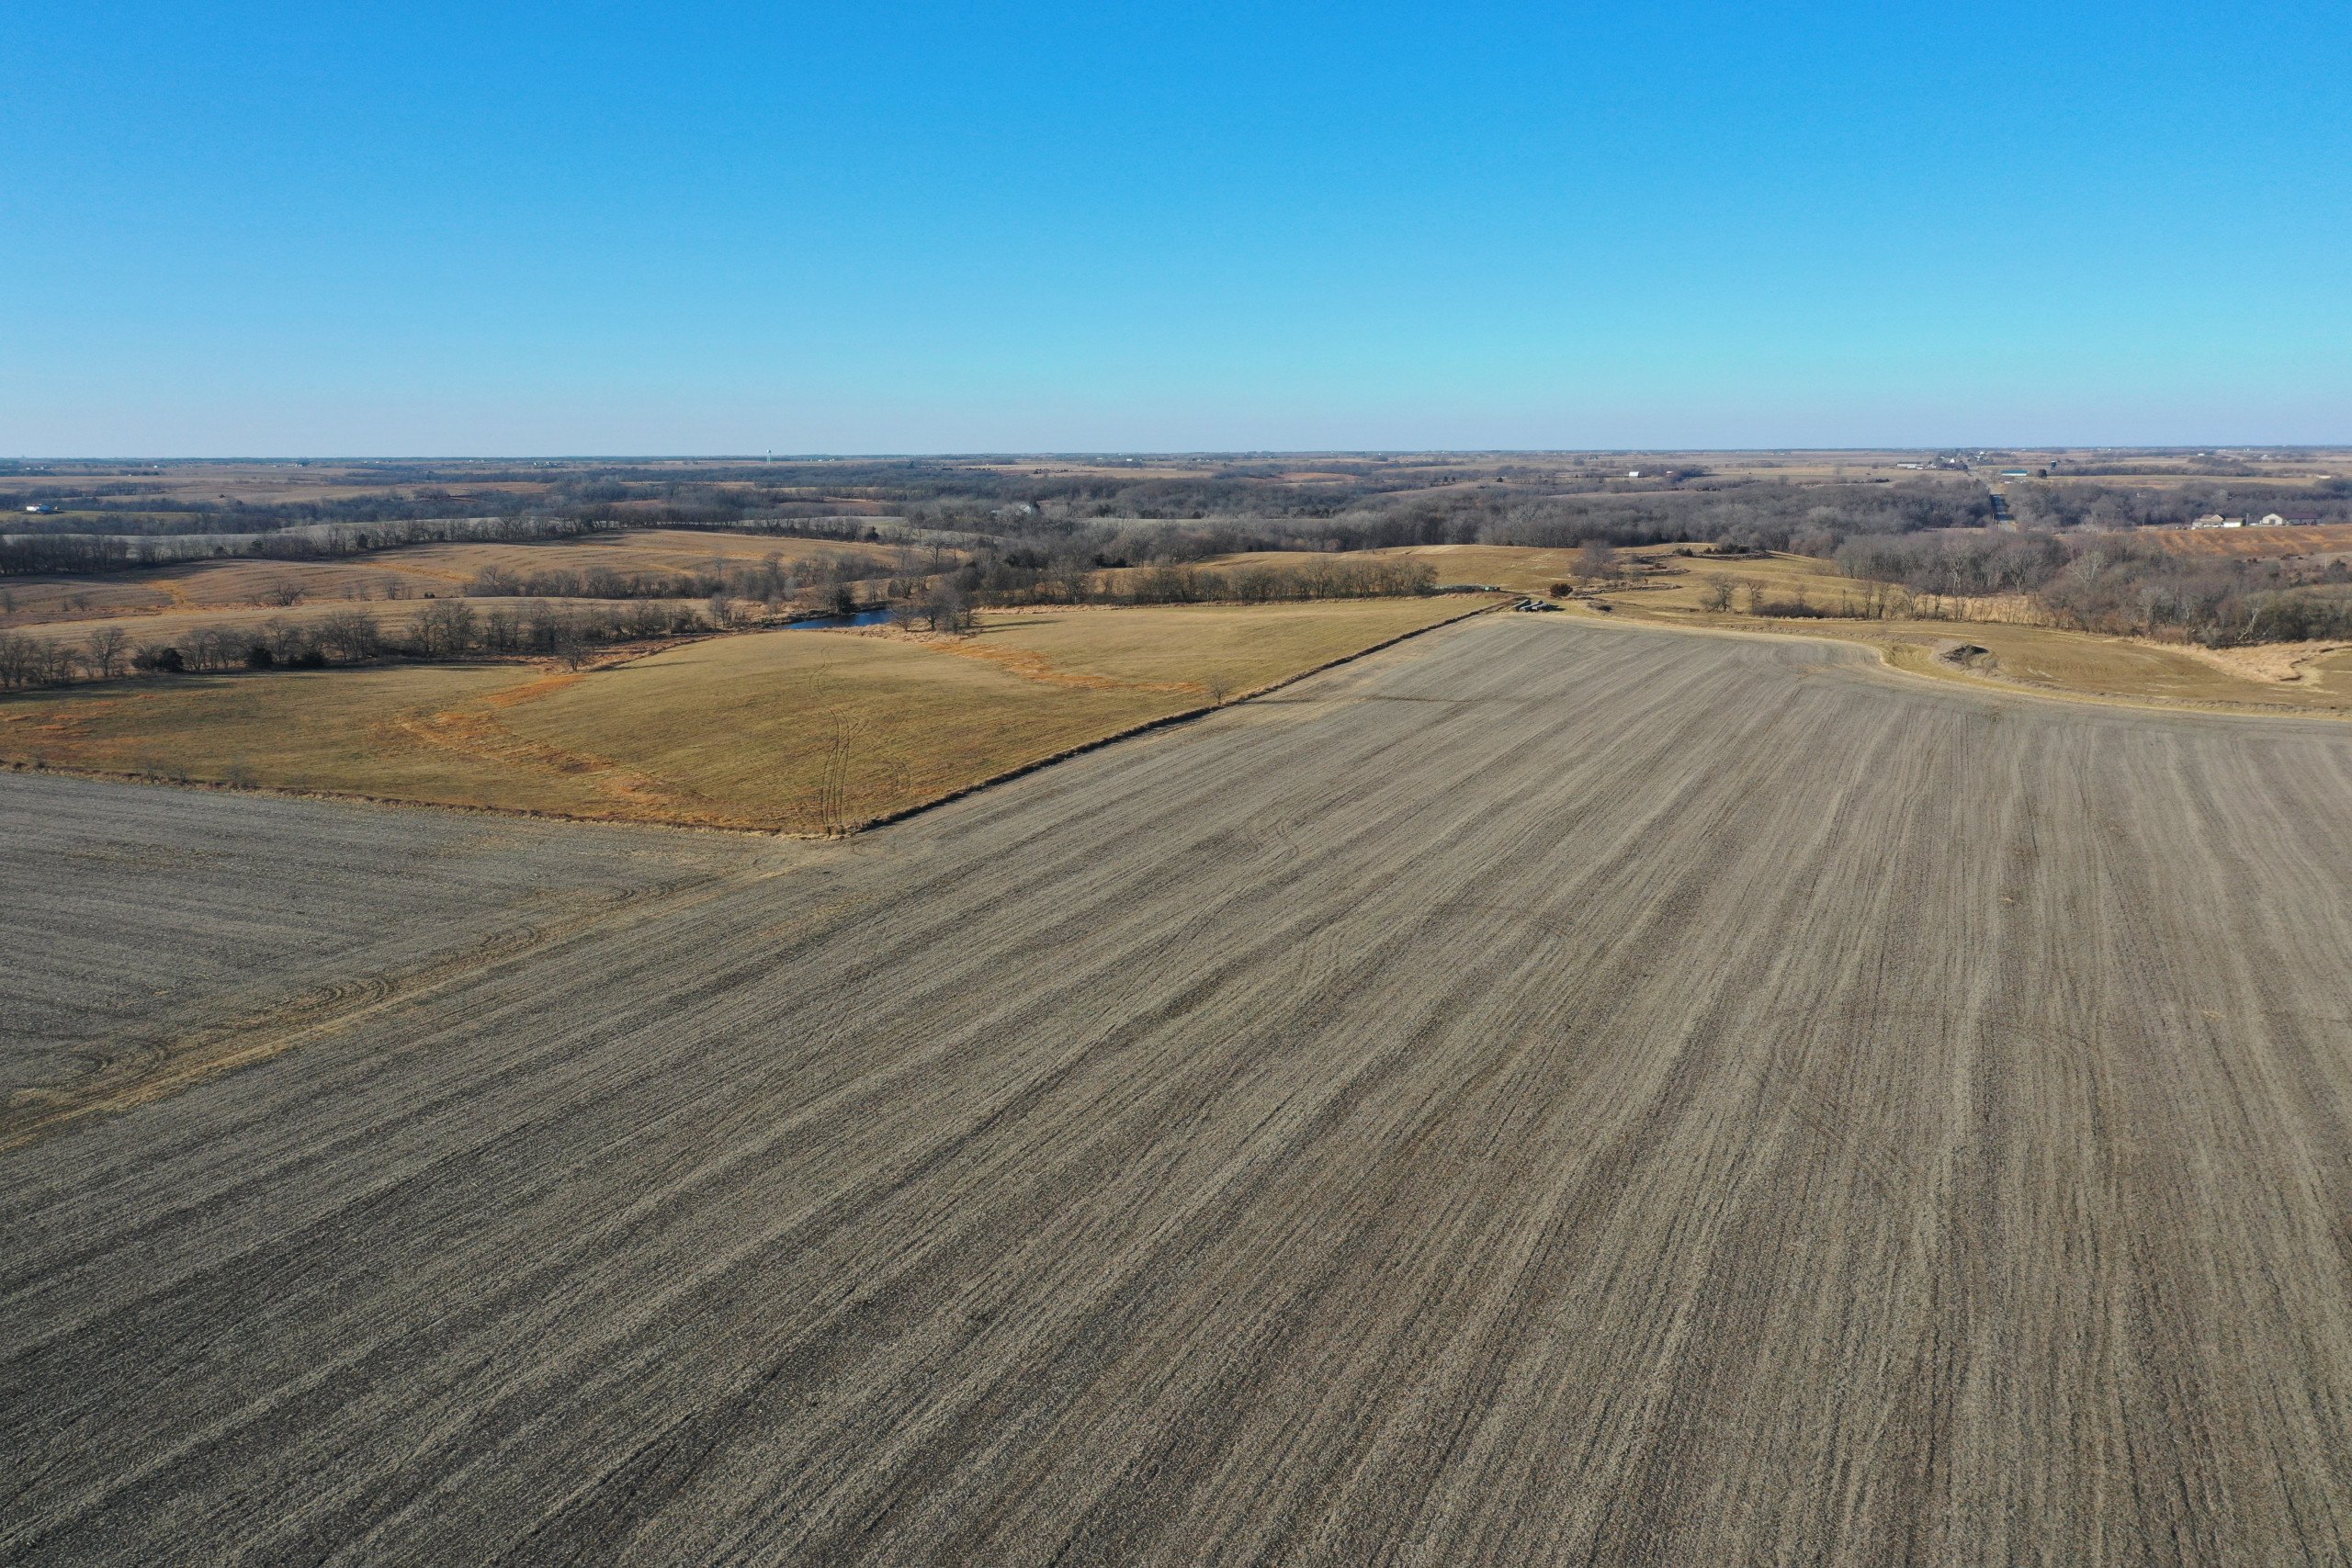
point(833, 623)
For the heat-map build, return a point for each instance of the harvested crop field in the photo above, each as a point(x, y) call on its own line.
point(1548, 1092)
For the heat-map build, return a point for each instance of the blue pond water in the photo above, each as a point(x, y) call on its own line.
point(831, 622)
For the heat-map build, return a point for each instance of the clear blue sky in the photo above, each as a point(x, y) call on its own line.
point(487, 227)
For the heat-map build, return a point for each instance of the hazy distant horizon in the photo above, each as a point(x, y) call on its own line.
point(1192, 455)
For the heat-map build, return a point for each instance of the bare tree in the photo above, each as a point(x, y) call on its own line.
point(568, 640)
point(1718, 594)
point(106, 647)
point(213, 648)
point(444, 629)
point(284, 592)
point(18, 659)
point(1595, 560)
point(53, 663)
point(349, 634)
point(946, 609)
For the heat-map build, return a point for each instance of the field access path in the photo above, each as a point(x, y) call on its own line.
point(1546, 1093)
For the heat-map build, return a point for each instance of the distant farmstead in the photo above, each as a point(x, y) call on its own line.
point(2274, 519)
point(2215, 519)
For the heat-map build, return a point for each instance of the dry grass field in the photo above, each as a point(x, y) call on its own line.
point(150, 603)
point(1548, 1093)
point(2068, 662)
point(1505, 566)
point(174, 627)
point(793, 730)
point(1656, 584)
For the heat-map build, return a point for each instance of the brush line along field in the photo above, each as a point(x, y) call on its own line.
point(1546, 1092)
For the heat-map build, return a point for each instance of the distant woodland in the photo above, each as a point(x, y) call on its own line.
point(1025, 532)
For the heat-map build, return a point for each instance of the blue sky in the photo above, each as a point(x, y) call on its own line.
point(500, 228)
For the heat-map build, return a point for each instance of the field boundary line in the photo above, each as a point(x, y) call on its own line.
point(1165, 721)
point(401, 803)
point(673, 824)
point(289, 1022)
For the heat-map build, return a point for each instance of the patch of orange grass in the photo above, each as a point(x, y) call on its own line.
point(532, 691)
point(1027, 663)
point(473, 733)
point(2275, 661)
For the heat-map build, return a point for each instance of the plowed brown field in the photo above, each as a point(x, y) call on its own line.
point(1546, 1093)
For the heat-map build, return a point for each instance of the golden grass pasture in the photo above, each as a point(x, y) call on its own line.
point(410, 573)
point(1516, 568)
point(2124, 669)
point(1656, 584)
point(794, 730)
point(1672, 589)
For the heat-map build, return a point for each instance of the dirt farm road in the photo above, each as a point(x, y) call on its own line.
point(1547, 1093)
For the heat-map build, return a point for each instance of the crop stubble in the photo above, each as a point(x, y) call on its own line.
point(1547, 1093)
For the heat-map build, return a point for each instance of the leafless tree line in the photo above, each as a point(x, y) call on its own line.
point(97, 553)
point(1308, 579)
point(2111, 583)
point(771, 581)
point(443, 628)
